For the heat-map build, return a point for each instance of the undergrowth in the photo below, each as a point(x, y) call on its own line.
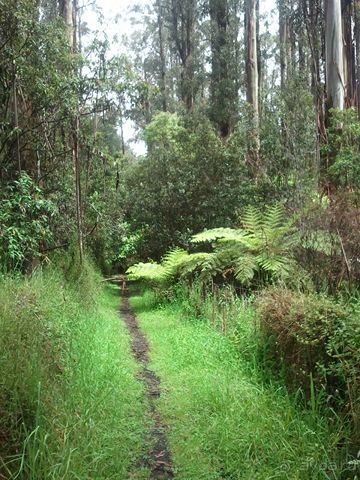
point(225, 421)
point(70, 407)
point(253, 357)
point(317, 340)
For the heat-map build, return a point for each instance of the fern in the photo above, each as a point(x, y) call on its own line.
point(263, 246)
point(252, 220)
point(274, 216)
point(177, 263)
point(173, 260)
point(198, 263)
point(245, 268)
point(278, 265)
point(215, 234)
point(322, 242)
point(153, 272)
point(262, 249)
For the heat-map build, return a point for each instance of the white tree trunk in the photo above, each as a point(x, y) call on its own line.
point(67, 12)
point(335, 77)
point(251, 57)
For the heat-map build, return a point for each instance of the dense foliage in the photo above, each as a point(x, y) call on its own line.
point(248, 189)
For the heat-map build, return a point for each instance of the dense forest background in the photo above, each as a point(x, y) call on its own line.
point(250, 180)
point(230, 117)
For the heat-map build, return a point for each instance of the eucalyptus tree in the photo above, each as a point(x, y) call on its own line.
point(69, 15)
point(160, 7)
point(357, 50)
point(335, 77)
point(285, 41)
point(347, 7)
point(223, 85)
point(67, 12)
point(183, 23)
point(252, 76)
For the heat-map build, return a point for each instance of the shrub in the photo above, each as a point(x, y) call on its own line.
point(316, 341)
point(24, 223)
point(330, 237)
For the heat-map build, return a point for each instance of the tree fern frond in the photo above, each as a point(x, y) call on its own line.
point(247, 241)
point(146, 271)
point(320, 241)
point(214, 234)
point(274, 216)
point(202, 263)
point(245, 268)
point(172, 261)
point(252, 219)
point(276, 265)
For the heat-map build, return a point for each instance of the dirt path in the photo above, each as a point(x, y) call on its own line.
point(158, 459)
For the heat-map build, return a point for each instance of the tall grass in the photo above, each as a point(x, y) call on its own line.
point(70, 406)
point(227, 421)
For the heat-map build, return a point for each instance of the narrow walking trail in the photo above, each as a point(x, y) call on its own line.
point(158, 459)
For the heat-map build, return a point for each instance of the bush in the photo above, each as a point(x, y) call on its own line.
point(25, 216)
point(330, 236)
point(170, 195)
point(317, 342)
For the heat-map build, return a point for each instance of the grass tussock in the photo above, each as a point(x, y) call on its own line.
point(70, 406)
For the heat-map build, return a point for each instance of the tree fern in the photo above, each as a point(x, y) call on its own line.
point(176, 263)
point(215, 234)
point(274, 216)
point(203, 264)
point(245, 268)
point(252, 220)
point(173, 260)
point(153, 272)
point(262, 249)
point(265, 243)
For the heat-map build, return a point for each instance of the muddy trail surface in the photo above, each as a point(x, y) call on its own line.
point(158, 458)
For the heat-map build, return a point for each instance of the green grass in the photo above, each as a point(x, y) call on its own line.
point(225, 423)
point(70, 405)
point(72, 408)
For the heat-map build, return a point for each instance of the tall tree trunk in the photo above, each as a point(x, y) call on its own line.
point(313, 17)
point(68, 10)
point(252, 77)
point(357, 45)
point(335, 85)
point(76, 156)
point(16, 118)
point(78, 200)
point(163, 86)
point(287, 42)
point(283, 40)
point(183, 15)
point(349, 54)
point(260, 64)
point(222, 91)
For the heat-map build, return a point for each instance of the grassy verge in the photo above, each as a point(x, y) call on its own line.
point(225, 422)
point(70, 406)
